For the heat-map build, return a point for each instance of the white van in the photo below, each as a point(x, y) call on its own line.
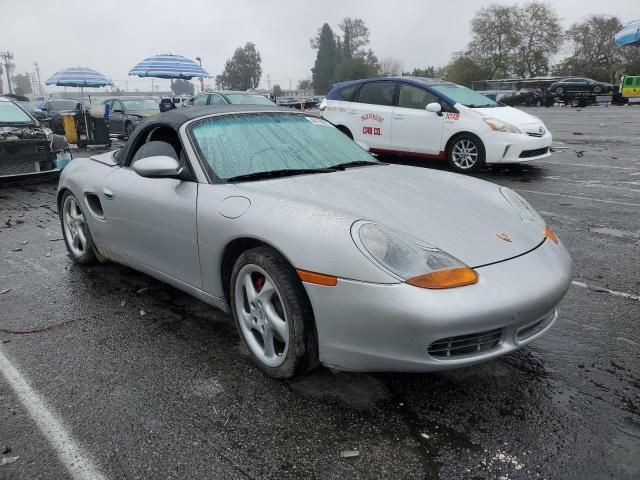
point(431, 118)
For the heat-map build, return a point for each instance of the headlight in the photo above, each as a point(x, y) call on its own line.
point(526, 212)
point(410, 260)
point(500, 126)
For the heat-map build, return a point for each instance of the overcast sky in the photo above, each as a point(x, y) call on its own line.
point(111, 36)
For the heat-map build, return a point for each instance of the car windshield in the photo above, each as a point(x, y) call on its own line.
point(246, 144)
point(141, 104)
point(61, 105)
point(465, 96)
point(247, 99)
point(11, 113)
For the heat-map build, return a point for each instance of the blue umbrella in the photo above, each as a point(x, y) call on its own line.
point(629, 35)
point(168, 66)
point(78, 77)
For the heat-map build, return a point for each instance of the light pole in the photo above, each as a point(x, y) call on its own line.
point(201, 79)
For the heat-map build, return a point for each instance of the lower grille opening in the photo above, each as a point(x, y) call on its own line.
point(534, 153)
point(534, 328)
point(466, 345)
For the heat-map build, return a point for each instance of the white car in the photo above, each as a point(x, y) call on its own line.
point(435, 119)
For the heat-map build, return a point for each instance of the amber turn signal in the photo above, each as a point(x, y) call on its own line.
point(550, 235)
point(317, 278)
point(449, 278)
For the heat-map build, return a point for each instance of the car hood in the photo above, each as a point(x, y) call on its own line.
point(510, 115)
point(460, 215)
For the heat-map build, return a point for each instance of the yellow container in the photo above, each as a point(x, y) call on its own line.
point(69, 125)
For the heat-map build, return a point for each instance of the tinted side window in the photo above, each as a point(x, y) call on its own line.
point(377, 93)
point(414, 97)
point(347, 92)
point(200, 100)
point(216, 100)
point(628, 81)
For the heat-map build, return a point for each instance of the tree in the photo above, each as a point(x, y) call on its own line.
point(389, 67)
point(242, 71)
point(496, 38)
point(429, 72)
point(540, 36)
point(23, 82)
point(324, 69)
point(463, 69)
point(277, 91)
point(182, 87)
point(354, 68)
point(304, 85)
point(594, 54)
point(355, 36)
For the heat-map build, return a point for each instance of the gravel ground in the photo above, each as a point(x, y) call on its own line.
point(171, 394)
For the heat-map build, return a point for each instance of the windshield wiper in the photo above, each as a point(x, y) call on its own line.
point(278, 173)
point(356, 163)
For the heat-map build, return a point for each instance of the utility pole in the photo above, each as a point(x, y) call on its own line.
point(35, 64)
point(268, 82)
point(7, 67)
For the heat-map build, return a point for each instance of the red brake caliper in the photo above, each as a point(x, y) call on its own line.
point(258, 282)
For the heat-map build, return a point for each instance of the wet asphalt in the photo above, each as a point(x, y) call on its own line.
point(170, 394)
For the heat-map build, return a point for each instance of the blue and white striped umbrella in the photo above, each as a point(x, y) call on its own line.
point(168, 66)
point(78, 77)
point(629, 35)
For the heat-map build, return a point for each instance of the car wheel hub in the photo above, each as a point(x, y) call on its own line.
point(261, 315)
point(73, 221)
point(464, 154)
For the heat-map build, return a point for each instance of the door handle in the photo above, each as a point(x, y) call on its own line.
point(108, 194)
point(352, 112)
point(398, 117)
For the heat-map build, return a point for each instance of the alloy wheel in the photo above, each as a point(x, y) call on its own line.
point(261, 315)
point(74, 226)
point(464, 154)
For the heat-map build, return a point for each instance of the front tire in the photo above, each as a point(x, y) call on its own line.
point(466, 154)
point(597, 89)
point(559, 90)
point(76, 231)
point(128, 128)
point(273, 314)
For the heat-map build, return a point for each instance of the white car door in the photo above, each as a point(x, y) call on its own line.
point(370, 114)
point(414, 130)
point(153, 221)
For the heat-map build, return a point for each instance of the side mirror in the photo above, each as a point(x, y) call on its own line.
point(160, 166)
point(434, 107)
point(44, 109)
point(363, 145)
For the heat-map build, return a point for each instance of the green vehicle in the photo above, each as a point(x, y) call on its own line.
point(630, 87)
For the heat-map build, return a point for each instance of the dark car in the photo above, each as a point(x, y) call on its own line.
point(579, 84)
point(53, 110)
point(224, 97)
point(125, 113)
point(26, 147)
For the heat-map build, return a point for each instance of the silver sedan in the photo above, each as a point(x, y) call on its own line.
point(322, 253)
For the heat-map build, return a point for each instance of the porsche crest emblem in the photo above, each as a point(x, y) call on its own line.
point(503, 236)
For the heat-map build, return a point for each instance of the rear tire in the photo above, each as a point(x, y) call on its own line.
point(273, 314)
point(466, 153)
point(75, 230)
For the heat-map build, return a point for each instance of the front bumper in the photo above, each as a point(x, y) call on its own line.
point(373, 327)
point(515, 147)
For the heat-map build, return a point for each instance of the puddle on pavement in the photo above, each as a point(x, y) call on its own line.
point(354, 390)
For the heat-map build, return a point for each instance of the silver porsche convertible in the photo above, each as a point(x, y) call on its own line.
point(322, 253)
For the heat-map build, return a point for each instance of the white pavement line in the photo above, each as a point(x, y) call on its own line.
point(606, 290)
point(584, 165)
point(591, 199)
point(70, 454)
